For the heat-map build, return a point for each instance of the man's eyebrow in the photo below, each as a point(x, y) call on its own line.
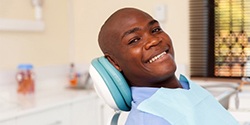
point(137, 28)
point(130, 31)
point(152, 22)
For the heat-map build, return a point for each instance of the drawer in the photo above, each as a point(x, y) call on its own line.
point(52, 116)
point(8, 122)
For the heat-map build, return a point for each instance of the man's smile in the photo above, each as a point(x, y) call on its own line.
point(153, 59)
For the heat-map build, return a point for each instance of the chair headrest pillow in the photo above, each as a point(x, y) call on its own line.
point(110, 84)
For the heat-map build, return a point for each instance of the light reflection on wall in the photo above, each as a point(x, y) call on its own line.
point(232, 38)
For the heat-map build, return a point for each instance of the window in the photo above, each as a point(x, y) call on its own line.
point(219, 38)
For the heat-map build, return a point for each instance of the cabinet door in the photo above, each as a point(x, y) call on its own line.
point(85, 112)
point(53, 116)
point(107, 114)
point(8, 122)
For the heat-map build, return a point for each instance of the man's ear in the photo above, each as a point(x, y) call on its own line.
point(113, 62)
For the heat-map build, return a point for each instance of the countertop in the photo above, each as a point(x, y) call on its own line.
point(48, 94)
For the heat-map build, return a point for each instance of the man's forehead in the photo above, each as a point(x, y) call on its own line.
point(123, 20)
point(118, 23)
point(125, 14)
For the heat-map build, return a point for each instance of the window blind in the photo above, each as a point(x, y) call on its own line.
point(199, 25)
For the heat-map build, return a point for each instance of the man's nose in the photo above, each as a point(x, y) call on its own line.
point(152, 41)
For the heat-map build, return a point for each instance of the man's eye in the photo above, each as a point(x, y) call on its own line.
point(158, 29)
point(134, 40)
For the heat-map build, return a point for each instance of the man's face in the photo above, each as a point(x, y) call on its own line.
point(144, 53)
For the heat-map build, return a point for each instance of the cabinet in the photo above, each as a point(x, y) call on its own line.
point(8, 122)
point(53, 116)
point(85, 112)
point(86, 109)
point(106, 113)
point(54, 103)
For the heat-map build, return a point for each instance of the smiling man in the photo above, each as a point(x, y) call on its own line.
point(135, 45)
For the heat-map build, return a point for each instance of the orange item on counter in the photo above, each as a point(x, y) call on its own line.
point(25, 79)
point(73, 77)
point(73, 80)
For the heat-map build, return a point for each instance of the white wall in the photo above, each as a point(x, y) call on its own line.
point(72, 28)
point(48, 47)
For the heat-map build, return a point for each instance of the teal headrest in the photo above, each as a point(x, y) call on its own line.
point(109, 81)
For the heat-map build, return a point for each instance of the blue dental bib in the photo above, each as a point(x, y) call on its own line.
point(195, 106)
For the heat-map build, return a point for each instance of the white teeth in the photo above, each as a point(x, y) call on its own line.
point(157, 57)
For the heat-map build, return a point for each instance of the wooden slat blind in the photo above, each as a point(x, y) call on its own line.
point(199, 37)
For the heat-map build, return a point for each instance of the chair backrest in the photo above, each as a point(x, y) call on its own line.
point(110, 84)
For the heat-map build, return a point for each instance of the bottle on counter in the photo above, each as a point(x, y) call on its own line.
point(73, 76)
point(25, 79)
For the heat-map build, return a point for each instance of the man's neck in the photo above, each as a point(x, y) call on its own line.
point(171, 82)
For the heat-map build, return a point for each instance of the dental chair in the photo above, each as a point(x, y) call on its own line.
point(111, 86)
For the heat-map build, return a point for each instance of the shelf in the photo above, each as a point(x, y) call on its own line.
point(21, 25)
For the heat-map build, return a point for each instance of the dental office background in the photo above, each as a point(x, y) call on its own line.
point(69, 28)
point(52, 34)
